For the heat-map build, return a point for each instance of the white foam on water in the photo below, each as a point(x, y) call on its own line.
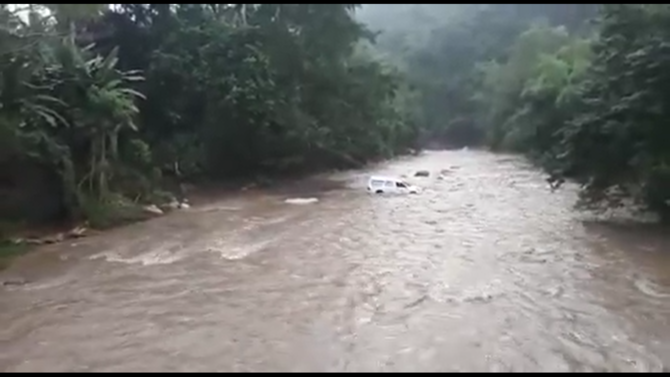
point(237, 252)
point(217, 207)
point(301, 200)
point(49, 284)
point(275, 220)
point(154, 257)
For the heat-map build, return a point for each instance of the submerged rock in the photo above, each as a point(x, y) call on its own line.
point(77, 232)
point(153, 209)
point(175, 204)
point(14, 282)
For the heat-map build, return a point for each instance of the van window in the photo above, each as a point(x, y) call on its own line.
point(377, 183)
point(400, 185)
point(389, 184)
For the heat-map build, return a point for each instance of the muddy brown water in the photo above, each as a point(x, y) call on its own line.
point(486, 270)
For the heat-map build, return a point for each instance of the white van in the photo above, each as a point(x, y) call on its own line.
point(386, 185)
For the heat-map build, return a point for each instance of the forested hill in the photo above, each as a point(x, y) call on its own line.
point(449, 50)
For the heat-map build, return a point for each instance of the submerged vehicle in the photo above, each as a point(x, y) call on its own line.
point(389, 185)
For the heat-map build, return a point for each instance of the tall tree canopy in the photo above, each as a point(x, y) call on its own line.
point(113, 97)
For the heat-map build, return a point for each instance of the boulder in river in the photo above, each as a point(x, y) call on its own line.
point(174, 204)
point(443, 174)
point(422, 173)
point(153, 209)
point(77, 232)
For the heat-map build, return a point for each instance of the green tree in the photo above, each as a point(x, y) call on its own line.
point(617, 145)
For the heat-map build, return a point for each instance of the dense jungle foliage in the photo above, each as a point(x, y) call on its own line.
point(113, 100)
point(101, 105)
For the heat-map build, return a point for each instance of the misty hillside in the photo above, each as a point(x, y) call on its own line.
point(404, 27)
point(442, 48)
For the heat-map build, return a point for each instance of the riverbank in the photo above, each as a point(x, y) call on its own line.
point(10, 250)
point(17, 239)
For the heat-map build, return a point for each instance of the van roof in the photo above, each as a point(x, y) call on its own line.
point(381, 178)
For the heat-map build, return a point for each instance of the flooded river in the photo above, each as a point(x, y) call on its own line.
point(486, 270)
